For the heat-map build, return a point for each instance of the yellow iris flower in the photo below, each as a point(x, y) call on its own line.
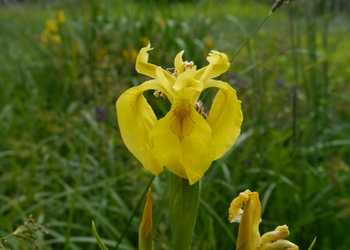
point(186, 140)
point(249, 219)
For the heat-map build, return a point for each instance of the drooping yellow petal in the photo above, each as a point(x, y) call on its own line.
point(136, 119)
point(218, 64)
point(182, 141)
point(225, 117)
point(248, 233)
point(149, 69)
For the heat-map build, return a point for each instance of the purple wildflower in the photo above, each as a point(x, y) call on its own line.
point(280, 83)
point(100, 114)
point(246, 163)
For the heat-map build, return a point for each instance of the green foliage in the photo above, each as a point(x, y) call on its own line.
point(98, 239)
point(62, 158)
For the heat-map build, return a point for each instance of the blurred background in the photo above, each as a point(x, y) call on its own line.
point(63, 64)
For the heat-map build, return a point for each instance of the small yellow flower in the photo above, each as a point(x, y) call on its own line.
point(186, 140)
point(51, 26)
point(209, 42)
point(249, 219)
point(61, 18)
point(56, 38)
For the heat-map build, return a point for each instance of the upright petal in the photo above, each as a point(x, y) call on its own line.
point(179, 63)
point(186, 80)
point(182, 141)
point(225, 117)
point(149, 69)
point(136, 120)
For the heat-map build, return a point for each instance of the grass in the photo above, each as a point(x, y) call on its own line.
point(62, 158)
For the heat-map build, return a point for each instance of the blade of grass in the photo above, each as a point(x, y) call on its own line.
point(99, 241)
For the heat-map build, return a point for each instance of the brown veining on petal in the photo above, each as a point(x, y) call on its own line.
point(182, 123)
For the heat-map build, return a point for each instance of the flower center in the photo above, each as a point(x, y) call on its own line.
point(187, 65)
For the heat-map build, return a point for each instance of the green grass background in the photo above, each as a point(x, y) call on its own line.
point(62, 163)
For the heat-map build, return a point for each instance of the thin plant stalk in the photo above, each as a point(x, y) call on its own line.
point(248, 38)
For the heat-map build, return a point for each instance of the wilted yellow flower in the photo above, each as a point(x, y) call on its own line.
point(51, 26)
point(249, 219)
point(61, 18)
point(186, 140)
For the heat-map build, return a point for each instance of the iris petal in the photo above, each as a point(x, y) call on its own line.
point(136, 119)
point(178, 62)
point(165, 84)
point(218, 64)
point(182, 141)
point(225, 117)
point(149, 69)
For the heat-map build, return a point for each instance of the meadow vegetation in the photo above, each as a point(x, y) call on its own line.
point(62, 159)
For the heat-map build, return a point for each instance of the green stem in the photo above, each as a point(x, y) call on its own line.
point(134, 212)
point(183, 208)
point(251, 35)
